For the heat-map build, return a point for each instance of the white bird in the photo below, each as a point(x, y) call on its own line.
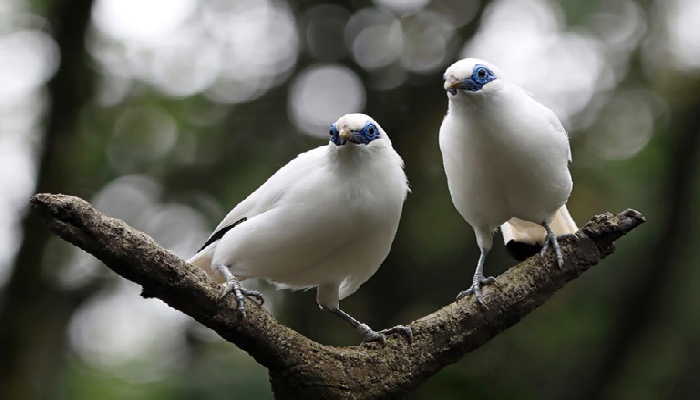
point(506, 159)
point(326, 219)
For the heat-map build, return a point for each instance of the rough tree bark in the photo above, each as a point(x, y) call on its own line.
point(300, 368)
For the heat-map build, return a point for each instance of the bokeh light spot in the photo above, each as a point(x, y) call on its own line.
point(321, 94)
point(27, 60)
point(325, 25)
point(141, 21)
point(624, 126)
point(374, 37)
point(402, 6)
point(425, 41)
point(684, 33)
point(141, 135)
point(136, 340)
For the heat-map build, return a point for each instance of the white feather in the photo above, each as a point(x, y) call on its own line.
point(505, 155)
point(325, 219)
point(506, 159)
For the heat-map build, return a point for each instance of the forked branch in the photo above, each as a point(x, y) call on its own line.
point(301, 368)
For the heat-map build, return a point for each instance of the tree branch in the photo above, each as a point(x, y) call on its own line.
point(302, 368)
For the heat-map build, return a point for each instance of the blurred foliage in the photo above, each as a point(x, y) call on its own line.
point(168, 113)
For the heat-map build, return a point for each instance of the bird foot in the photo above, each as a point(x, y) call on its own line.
point(369, 335)
point(233, 285)
point(551, 239)
point(476, 288)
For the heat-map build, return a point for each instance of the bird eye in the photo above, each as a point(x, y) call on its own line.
point(481, 73)
point(331, 131)
point(372, 130)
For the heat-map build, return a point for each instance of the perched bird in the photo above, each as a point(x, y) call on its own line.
point(506, 159)
point(326, 219)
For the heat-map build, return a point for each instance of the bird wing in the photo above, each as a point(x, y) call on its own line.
point(331, 225)
point(559, 128)
point(553, 121)
point(261, 200)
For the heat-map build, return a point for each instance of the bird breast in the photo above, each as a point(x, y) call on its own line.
point(336, 221)
point(505, 164)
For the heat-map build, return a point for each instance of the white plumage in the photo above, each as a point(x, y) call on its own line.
point(506, 160)
point(326, 219)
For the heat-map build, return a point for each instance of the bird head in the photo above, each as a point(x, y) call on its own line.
point(359, 129)
point(471, 75)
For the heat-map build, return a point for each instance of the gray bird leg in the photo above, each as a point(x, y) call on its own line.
point(478, 280)
point(233, 285)
point(551, 238)
point(369, 335)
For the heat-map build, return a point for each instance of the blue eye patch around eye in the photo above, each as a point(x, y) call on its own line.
point(335, 136)
point(364, 136)
point(481, 75)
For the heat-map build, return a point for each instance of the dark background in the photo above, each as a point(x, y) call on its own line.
point(167, 113)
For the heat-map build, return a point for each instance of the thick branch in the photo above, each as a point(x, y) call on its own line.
point(301, 368)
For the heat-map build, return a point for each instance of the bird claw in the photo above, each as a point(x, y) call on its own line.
point(233, 285)
point(254, 295)
point(400, 329)
point(551, 238)
point(475, 288)
point(374, 336)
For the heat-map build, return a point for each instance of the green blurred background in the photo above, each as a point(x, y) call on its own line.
point(166, 113)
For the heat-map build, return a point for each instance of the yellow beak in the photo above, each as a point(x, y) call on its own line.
point(345, 133)
point(451, 83)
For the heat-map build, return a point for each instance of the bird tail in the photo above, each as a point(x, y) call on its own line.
point(524, 239)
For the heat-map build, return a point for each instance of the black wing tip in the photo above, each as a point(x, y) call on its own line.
point(220, 233)
point(522, 251)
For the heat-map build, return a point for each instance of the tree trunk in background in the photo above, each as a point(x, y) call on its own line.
point(34, 313)
point(644, 305)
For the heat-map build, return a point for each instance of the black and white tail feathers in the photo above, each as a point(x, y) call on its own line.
point(524, 239)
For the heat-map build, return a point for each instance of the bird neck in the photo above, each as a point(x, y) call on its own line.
point(476, 101)
point(376, 156)
point(351, 153)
